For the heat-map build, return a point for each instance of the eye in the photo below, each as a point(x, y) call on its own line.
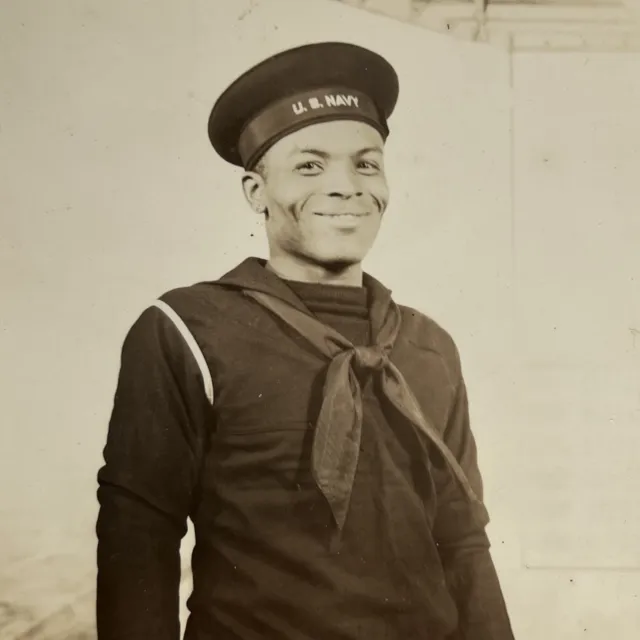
point(311, 167)
point(369, 166)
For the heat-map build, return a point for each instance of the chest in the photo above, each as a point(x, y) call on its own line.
point(269, 383)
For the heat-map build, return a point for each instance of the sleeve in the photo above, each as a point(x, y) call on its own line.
point(462, 540)
point(148, 483)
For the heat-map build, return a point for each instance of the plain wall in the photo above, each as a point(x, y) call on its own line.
point(513, 222)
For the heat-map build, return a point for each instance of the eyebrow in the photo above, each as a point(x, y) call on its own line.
point(366, 150)
point(324, 155)
point(315, 152)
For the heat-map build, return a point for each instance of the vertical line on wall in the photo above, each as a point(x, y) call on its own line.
point(514, 363)
point(512, 188)
point(512, 158)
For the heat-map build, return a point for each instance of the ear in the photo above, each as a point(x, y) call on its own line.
point(254, 191)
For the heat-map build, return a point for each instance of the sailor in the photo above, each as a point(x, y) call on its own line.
point(315, 431)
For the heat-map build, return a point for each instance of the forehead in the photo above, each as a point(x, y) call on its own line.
point(334, 138)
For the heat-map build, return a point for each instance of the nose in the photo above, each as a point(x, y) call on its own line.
point(345, 194)
point(344, 184)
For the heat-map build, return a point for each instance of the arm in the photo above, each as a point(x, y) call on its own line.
point(148, 482)
point(463, 543)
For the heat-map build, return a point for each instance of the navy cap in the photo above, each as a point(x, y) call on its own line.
point(296, 88)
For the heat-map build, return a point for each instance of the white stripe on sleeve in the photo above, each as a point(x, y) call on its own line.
point(193, 345)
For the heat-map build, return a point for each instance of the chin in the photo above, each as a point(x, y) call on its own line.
point(338, 265)
point(338, 262)
point(332, 257)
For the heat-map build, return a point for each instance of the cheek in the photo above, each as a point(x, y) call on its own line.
point(288, 224)
point(289, 198)
point(379, 191)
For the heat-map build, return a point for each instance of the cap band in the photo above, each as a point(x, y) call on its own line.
point(303, 109)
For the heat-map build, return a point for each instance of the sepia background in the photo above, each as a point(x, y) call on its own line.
point(514, 163)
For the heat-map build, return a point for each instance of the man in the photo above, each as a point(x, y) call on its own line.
point(315, 432)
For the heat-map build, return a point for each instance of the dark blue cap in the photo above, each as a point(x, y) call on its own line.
point(296, 88)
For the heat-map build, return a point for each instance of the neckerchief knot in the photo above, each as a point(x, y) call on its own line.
point(370, 358)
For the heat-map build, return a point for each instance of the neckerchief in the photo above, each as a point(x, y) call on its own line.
point(336, 445)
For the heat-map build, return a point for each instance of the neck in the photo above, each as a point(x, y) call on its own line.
point(290, 269)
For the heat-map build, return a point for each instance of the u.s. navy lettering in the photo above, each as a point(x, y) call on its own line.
point(298, 108)
point(330, 100)
point(341, 100)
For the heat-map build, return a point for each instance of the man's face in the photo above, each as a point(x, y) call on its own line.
point(325, 190)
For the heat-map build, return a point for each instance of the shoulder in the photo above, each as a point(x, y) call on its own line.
point(167, 319)
point(194, 300)
point(168, 330)
point(427, 334)
point(203, 310)
point(195, 311)
point(201, 306)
